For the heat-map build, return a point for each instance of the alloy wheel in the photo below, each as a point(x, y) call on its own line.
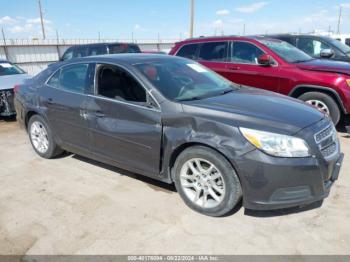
point(202, 183)
point(39, 137)
point(319, 105)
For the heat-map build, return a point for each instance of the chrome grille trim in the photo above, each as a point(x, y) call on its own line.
point(329, 136)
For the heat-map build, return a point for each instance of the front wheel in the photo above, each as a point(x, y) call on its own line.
point(206, 181)
point(41, 138)
point(324, 103)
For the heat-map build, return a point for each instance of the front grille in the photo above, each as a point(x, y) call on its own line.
point(329, 150)
point(327, 141)
point(324, 134)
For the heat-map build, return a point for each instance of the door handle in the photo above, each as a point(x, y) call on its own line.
point(234, 68)
point(50, 101)
point(99, 114)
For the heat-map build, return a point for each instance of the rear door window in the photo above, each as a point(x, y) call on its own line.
point(72, 78)
point(188, 51)
point(214, 51)
point(245, 53)
point(80, 52)
point(311, 46)
point(123, 48)
point(97, 50)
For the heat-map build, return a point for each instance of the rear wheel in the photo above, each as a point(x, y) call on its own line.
point(206, 181)
point(41, 138)
point(324, 103)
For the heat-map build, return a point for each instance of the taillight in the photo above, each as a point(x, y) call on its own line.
point(16, 88)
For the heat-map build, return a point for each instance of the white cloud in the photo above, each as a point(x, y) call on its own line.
point(251, 8)
point(37, 21)
point(345, 5)
point(21, 29)
point(137, 27)
point(7, 20)
point(223, 12)
point(218, 23)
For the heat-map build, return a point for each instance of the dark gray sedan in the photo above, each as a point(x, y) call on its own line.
point(174, 120)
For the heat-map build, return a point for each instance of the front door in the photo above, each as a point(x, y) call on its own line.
point(244, 68)
point(127, 124)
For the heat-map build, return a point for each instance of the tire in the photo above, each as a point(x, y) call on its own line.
point(228, 183)
point(324, 99)
point(52, 149)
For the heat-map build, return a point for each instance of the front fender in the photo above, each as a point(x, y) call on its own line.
point(225, 139)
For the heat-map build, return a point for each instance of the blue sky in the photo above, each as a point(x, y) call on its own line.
point(145, 19)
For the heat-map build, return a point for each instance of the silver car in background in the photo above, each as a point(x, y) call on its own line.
point(10, 76)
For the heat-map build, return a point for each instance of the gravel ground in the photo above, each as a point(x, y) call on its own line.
point(73, 205)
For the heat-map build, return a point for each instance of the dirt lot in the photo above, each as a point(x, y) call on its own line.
point(73, 205)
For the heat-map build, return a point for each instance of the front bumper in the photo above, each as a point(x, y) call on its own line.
point(272, 183)
point(7, 107)
point(275, 183)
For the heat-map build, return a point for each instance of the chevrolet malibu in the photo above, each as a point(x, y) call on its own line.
point(174, 120)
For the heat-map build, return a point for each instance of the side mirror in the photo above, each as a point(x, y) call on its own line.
point(326, 53)
point(265, 60)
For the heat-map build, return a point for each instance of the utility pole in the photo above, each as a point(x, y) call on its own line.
point(42, 19)
point(57, 38)
point(339, 19)
point(243, 29)
point(5, 46)
point(192, 18)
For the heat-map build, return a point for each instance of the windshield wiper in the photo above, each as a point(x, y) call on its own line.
point(302, 60)
point(224, 92)
point(190, 99)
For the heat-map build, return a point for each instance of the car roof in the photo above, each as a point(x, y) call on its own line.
point(128, 58)
point(296, 35)
point(225, 38)
point(102, 44)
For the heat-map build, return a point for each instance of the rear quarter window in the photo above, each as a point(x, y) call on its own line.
point(188, 51)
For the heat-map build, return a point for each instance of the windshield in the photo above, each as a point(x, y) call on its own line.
point(9, 69)
point(182, 80)
point(287, 51)
point(342, 47)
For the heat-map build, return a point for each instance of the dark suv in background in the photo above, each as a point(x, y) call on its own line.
point(317, 46)
point(99, 49)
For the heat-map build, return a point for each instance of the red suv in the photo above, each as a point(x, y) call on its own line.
point(274, 65)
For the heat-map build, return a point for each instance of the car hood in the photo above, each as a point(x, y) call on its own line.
point(9, 81)
point(256, 108)
point(325, 66)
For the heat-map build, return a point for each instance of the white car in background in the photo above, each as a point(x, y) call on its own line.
point(10, 76)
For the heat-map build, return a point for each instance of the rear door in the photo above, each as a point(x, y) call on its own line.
point(65, 99)
point(243, 67)
point(126, 126)
point(214, 55)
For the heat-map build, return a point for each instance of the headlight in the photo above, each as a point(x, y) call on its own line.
point(276, 144)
